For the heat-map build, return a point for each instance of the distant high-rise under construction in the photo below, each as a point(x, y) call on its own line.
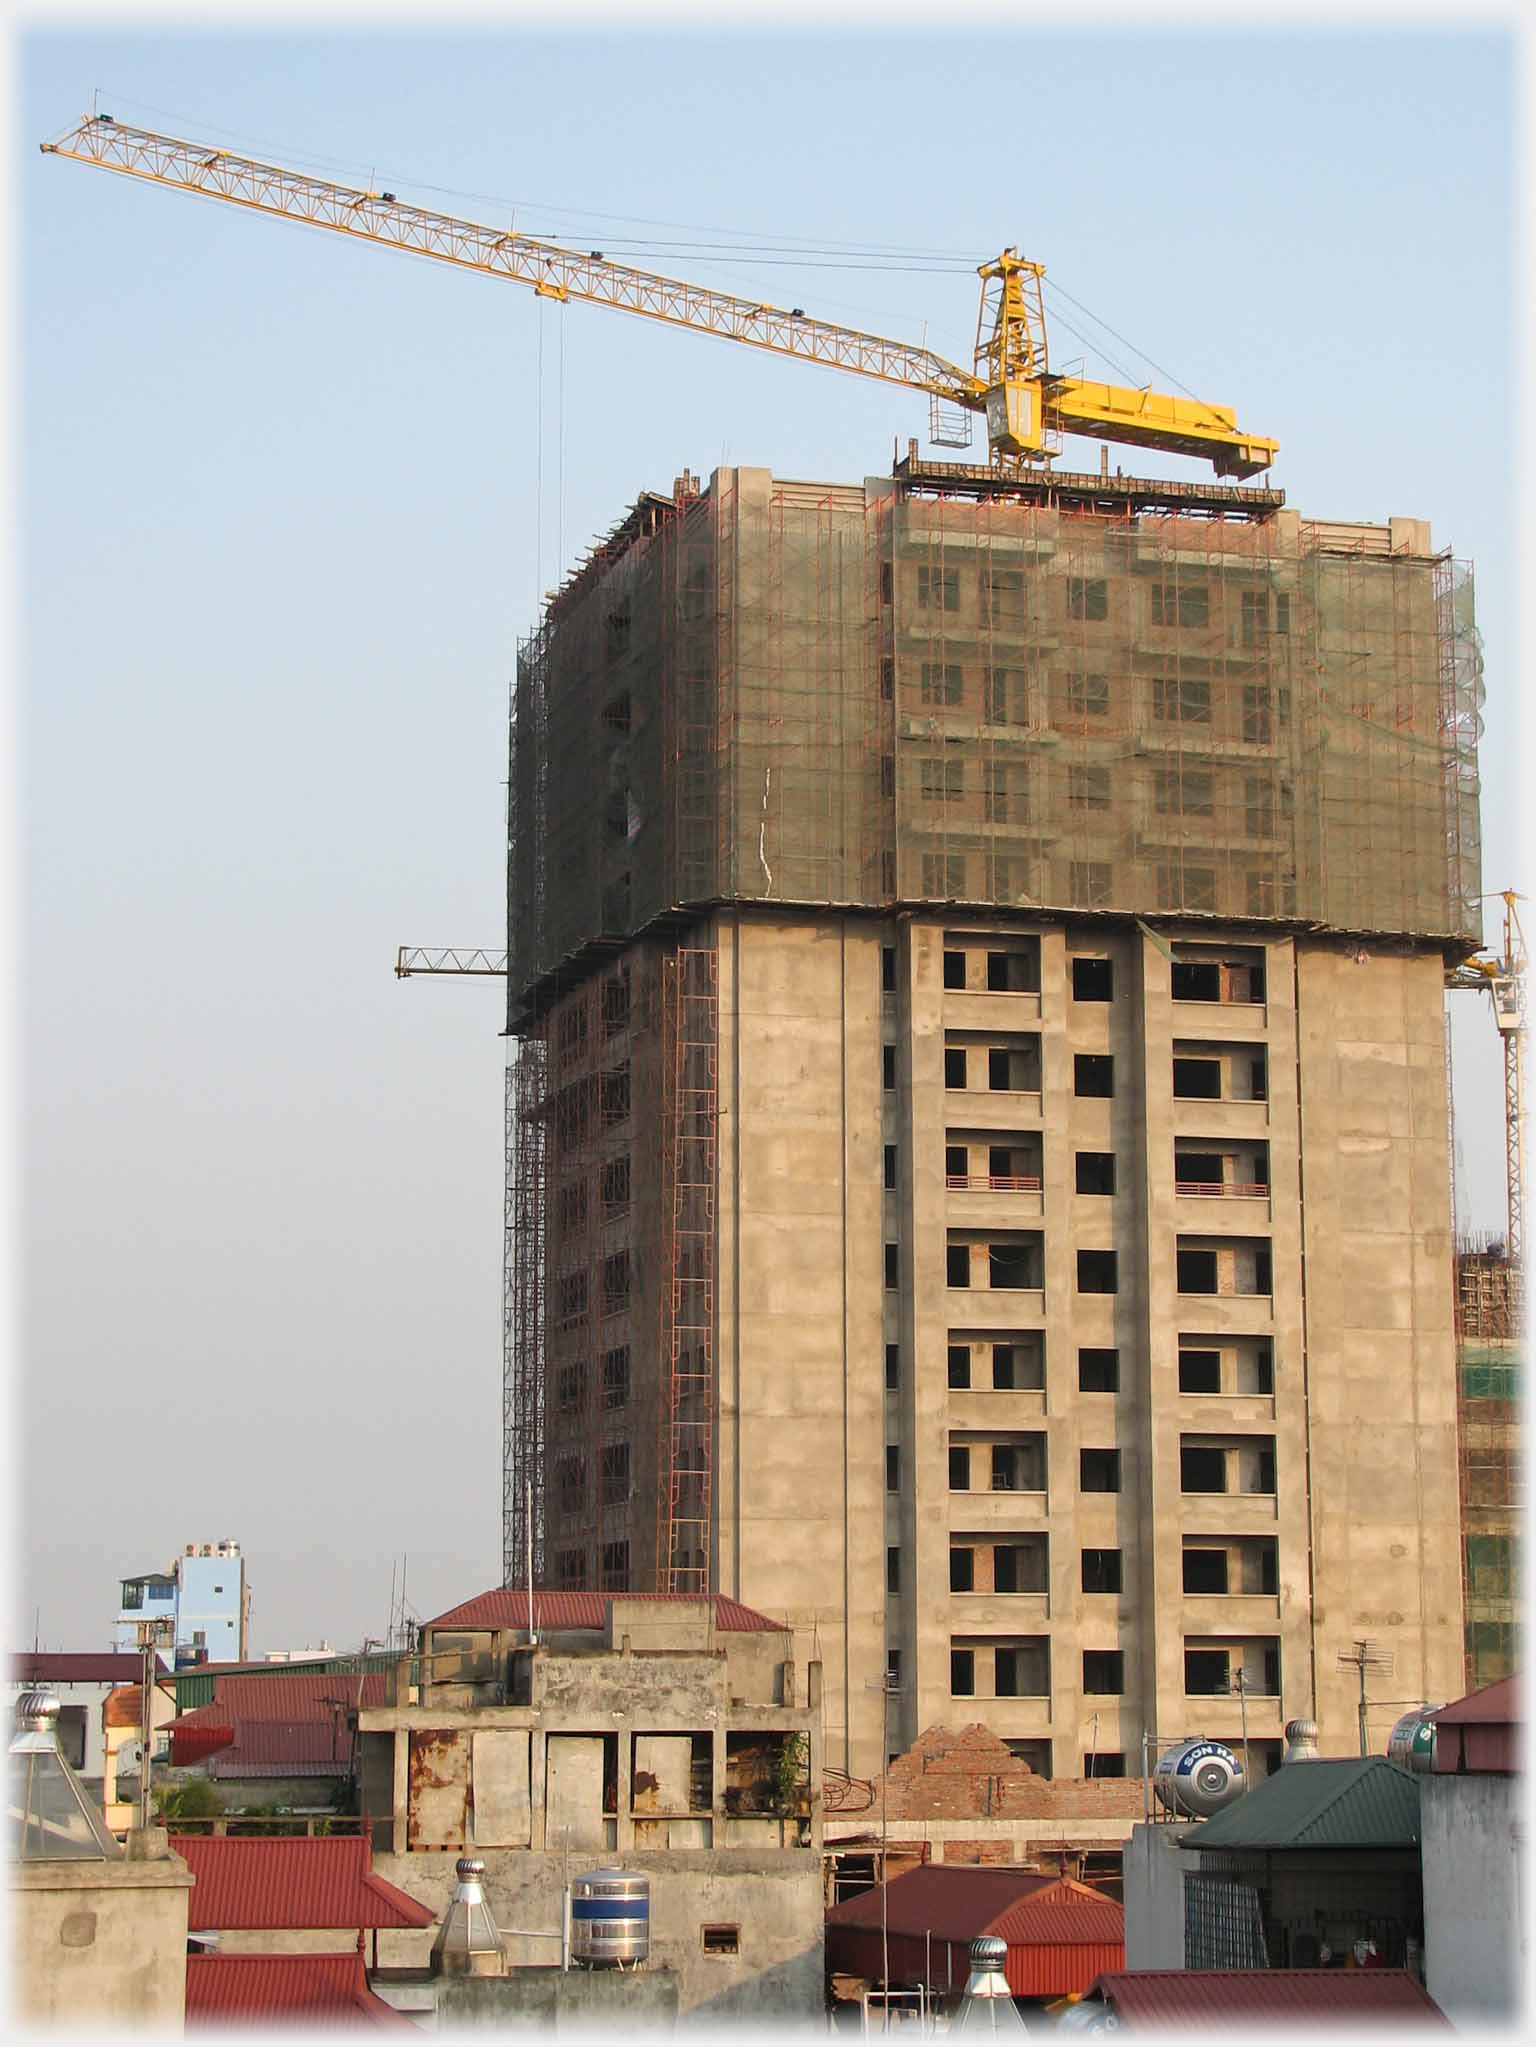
point(978, 1154)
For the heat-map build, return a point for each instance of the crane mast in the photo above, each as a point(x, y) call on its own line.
point(1026, 406)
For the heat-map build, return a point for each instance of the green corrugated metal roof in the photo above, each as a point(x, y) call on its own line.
point(1369, 1803)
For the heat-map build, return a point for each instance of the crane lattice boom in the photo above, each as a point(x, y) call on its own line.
point(1026, 407)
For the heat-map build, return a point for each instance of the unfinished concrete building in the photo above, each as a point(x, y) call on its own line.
point(978, 1166)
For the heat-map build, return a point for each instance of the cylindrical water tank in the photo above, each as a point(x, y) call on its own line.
point(610, 1918)
point(1198, 1778)
point(1412, 1741)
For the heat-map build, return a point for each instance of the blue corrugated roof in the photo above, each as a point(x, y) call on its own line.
point(1364, 1803)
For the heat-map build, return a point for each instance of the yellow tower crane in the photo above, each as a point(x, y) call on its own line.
point(1026, 405)
point(1505, 978)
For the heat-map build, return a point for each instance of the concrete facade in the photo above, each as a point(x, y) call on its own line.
point(1350, 1341)
point(1153, 1873)
point(1076, 1348)
point(101, 1945)
point(1476, 1921)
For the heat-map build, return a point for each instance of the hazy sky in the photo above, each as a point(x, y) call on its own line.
point(286, 507)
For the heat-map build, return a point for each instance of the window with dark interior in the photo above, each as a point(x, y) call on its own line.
point(1095, 1172)
point(962, 1673)
point(1101, 1570)
point(958, 1265)
point(893, 1570)
point(893, 1266)
point(959, 1366)
point(1013, 1265)
point(1099, 1471)
point(1197, 1080)
point(1093, 1073)
point(954, 970)
point(890, 1165)
point(954, 1066)
point(1104, 1762)
point(1093, 980)
point(1098, 1371)
point(888, 1066)
point(1202, 1469)
point(1196, 1271)
point(893, 1368)
point(1207, 1672)
point(1205, 1570)
point(892, 1468)
point(888, 969)
point(959, 1468)
point(1104, 1672)
point(1195, 981)
point(962, 1570)
point(1098, 1272)
point(1199, 1371)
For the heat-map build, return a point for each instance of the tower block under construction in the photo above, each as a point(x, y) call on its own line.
point(978, 1129)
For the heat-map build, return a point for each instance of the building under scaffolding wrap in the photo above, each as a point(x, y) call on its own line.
point(1489, 1338)
point(947, 725)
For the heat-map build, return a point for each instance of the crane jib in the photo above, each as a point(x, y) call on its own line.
point(1026, 407)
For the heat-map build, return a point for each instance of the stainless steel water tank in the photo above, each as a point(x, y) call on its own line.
point(610, 1918)
point(1412, 1741)
point(1198, 1778)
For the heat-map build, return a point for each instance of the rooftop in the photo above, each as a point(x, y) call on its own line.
point(506, 1606)
point(959, 1902)
point(1215, 1998)
point(315, 1990)
point(1364, 1803)
point(82, 1667)
point(292, 1884)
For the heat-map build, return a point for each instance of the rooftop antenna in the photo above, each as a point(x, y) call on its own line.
point(1366, 1655)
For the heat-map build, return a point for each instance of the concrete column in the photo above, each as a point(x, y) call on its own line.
point(626, 1747)
point(400, 1840)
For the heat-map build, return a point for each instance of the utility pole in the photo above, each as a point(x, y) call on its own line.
point(1363, 1657)
point(150, 1635)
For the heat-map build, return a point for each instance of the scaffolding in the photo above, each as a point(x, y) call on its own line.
point(1490, 1359)
point(690, 1001)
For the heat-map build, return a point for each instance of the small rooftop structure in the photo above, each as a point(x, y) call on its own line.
point(469, 1942)
point(1482, 1731)
point(1217, 1999)
point(77, 1667)
point(50, 1817)
point(308, 1990)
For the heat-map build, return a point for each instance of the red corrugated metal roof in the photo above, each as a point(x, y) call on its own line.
point(312, 1990)
point(507, 1607)
point(292, 1725)
point(294, 1695)
point(1218, 1997)
point(303, 1885)
point(959, 1901)
point(1495, 1705)
point(109, 1667)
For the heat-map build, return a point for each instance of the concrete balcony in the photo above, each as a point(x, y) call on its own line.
point(1227, 1314)
point(1246, 1021)
point(998, 1108)
point(998, 1613)
point(1208, 1208)
point(991, 1513)
point(989, 1009)
point(981, 1307)
point(1228, 1513)
point(988, 1407)
point(977, 1200)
